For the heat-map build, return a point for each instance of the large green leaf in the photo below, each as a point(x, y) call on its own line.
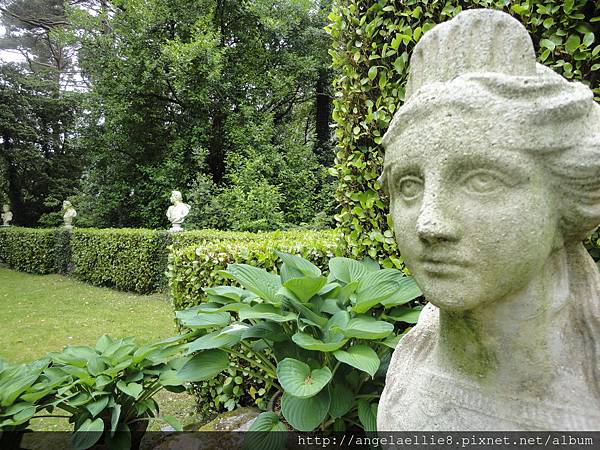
point(347, 270)
point(265, 330)
point(216, 339)
point(204, 366)
point(97, 406)
point(342, 399)
point(132, 389)
point(259, 281)
point(87, 434)
point(304, 309)
point(198, 321)
point(367, 414)
point(295, 266)
point(366, 327)
point(269, 312)
point(225, 294)
point(404, 314)
point(338, 321)
point(361, 357)
point(376, 287)
point(407, 291)
point(300, 380)
point(305, 414)
point(267, 432)
point(308, 342)
point(306, 287)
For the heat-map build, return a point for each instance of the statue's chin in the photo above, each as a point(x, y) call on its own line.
point(445, 301)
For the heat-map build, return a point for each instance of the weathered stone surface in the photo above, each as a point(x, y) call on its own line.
point(7, 216)
point(493, 170)
point(177, 212)
point(69, 215)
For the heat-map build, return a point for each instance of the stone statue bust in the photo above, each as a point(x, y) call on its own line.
point(7, 215)
point(69, 215)
point(177, 211)
point(493, 170)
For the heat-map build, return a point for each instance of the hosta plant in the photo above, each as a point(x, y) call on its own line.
point(109, 388)
point(106, 391)
point(25, 390)
point(323, 342)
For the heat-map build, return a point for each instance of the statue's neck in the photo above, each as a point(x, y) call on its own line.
point(508, 340)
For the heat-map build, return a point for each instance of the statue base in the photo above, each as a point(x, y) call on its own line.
point(175, 228)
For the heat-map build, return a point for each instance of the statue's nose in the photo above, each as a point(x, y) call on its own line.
point(436, 221)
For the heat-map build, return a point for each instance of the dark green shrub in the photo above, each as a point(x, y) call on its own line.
point(372, 44)
point(28, 249)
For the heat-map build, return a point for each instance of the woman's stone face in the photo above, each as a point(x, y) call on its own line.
point(473, 221)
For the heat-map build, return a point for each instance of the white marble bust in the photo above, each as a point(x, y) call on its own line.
point(7, 215)
point(177, 212)
point(493, 170)
point(69, 214)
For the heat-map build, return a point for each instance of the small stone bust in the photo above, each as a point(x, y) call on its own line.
point(177, 212)
point(7, 215)
point(69, 214)
point(492, 166)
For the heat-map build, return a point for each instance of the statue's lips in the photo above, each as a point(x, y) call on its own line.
point(441, 265)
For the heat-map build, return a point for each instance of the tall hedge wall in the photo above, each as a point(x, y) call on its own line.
point(372, 44)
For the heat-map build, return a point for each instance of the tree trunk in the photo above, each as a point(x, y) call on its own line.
point(322, 118)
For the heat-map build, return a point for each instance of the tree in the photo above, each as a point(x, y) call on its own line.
point(218, 98)
point(39, 162)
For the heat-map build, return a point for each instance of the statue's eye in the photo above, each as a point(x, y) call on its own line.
point(410, 187)
point(483, 182)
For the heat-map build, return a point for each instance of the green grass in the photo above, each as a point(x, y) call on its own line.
point(40, 314)
point(46, 313)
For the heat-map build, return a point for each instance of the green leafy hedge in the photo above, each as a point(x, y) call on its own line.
point(372, 44)
point(195, 267)
point(129, 260)
point(28, 250)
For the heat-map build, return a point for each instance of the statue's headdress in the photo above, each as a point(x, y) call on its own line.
point(484, 61)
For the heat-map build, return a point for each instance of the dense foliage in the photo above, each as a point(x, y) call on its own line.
point(372, 44)
point(323, 342)
point(215, 99)
point(225, 101)
point(136, 259)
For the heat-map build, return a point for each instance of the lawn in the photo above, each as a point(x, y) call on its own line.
point(45, 313)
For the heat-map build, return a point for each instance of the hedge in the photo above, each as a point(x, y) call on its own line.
point(28, 250)
point(372, 44)
point(195, 267)
point(127, 259)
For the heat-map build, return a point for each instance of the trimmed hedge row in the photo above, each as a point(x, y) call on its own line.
point(195, 267)
point(127, 259)
point(372, 41)
point(29, 250)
